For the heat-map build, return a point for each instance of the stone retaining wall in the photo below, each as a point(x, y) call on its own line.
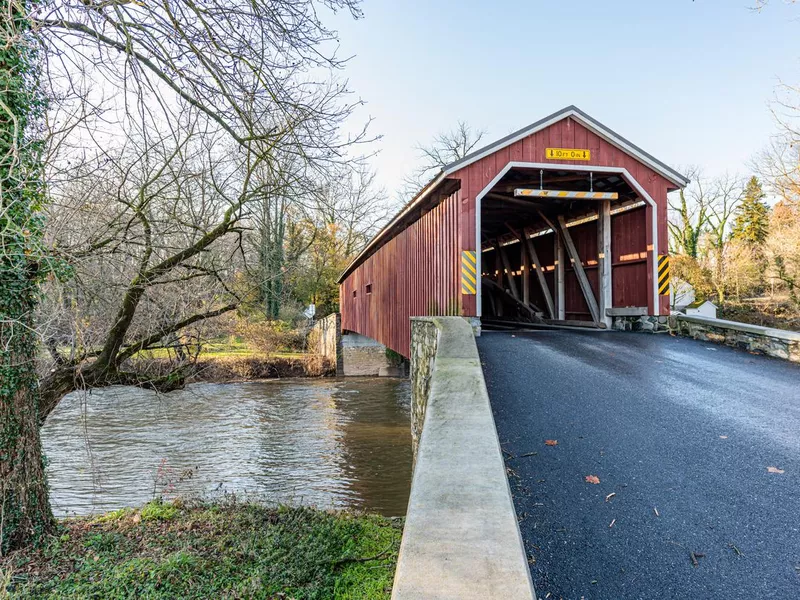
point(424, 343)
point(753, 338)
point(639, 323)
point(325, 339)
point(461, 540)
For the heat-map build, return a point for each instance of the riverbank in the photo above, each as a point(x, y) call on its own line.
point(225, 550)
point(228, 368)
point(225, 369)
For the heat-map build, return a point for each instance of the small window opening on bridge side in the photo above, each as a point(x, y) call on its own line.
point(369, 288)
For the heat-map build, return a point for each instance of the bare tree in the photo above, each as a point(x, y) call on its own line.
point(349, 210)
point(224, 110)
point(778, 166)
point(445, 148)
point(699, 223)
point(355, 204)
point(726, 194)
point(165, 116)
point(689, 215)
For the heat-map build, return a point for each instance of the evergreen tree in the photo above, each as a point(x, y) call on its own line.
point(751, 224)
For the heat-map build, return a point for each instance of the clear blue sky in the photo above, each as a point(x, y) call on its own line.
point(690, 82)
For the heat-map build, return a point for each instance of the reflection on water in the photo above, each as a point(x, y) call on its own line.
point(324, 442)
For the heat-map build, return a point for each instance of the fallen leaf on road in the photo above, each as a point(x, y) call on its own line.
point(592, 479)
point(694, 556)
point(610, 496)
point(551, 442)
point(735, 549)
point(775, 470)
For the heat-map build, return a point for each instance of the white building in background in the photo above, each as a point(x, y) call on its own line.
point(702, 308)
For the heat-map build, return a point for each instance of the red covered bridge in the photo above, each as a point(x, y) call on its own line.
point(564, 221)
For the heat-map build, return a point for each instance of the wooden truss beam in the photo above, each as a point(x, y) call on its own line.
point(583, 281)
point(500, 290)
point(527, 244)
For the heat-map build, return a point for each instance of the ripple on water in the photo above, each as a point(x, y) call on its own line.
point(341, 443)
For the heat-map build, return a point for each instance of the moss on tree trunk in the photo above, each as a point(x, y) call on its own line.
point(24, 507)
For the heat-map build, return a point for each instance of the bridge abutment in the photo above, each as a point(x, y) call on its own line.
point(354, 354)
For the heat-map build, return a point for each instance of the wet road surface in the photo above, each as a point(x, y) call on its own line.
point(681, 432)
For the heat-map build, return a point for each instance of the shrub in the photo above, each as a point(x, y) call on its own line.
point(270, 337)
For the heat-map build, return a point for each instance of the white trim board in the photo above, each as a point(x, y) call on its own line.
point(629, 179)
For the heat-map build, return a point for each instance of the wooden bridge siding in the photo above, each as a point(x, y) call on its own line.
point(584, 237)
point(566, 133)
point(629, 237)
point(417, 272)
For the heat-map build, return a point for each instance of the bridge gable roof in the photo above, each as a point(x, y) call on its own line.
point(590, 123)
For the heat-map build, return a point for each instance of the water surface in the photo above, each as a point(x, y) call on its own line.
point(340, 443)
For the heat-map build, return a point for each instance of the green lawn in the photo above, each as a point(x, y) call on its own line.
point(211, 551)
point(223, 350)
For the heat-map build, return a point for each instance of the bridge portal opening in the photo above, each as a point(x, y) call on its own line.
point(562, 246)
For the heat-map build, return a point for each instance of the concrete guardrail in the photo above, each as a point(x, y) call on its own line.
point(777, 343)
point(461, 539)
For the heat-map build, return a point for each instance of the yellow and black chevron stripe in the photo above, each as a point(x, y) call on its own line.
point(566, 194)
point(469, 273)
point(663, 274)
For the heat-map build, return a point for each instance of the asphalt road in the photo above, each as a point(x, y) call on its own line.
point(682, 432)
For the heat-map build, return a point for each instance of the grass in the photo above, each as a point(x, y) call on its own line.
point(227, 349)
point(210, 551)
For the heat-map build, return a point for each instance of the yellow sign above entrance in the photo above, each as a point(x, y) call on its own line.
point(567, 154)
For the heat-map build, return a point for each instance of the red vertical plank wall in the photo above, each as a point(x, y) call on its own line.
point(628, 262)
point(416, 272)
point(584, 237)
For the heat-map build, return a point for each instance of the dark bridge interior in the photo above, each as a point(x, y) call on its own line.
point(513, 229)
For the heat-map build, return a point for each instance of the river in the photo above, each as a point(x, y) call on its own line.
point(330, 443)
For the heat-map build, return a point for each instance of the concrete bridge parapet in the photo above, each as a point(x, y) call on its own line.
point(461, 539)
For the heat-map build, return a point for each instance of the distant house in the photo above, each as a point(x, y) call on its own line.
point(702, 308)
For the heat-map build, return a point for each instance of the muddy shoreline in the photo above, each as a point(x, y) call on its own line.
point(241, 368)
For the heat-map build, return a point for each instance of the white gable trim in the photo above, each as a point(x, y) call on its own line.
point(616, 170)
point(593, 126)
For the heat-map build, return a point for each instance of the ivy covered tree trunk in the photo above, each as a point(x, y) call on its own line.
point(25, 513)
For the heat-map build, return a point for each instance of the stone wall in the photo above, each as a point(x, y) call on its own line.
point(424, 342)
point(640, 323)
point(753, 338)
point(461, 538)
point(325, 339)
